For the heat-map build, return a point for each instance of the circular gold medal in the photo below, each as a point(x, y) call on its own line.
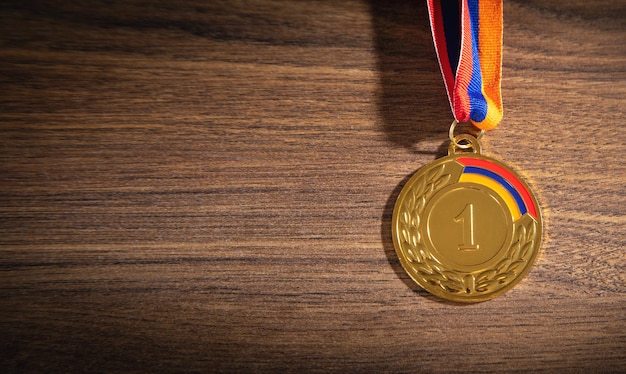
point(466, 227)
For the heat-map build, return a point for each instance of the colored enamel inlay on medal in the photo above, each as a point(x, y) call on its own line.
point(503, 182)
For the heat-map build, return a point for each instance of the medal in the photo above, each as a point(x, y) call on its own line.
point(466, 227)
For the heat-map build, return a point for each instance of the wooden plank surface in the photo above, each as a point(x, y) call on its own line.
point(208, 186)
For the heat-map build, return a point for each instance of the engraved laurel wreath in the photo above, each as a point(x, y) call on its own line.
point(431, 271)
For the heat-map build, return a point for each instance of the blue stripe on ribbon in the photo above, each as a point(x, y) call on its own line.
point(451, 13)
point(478, 104)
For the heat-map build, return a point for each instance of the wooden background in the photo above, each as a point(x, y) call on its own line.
point(208, 186)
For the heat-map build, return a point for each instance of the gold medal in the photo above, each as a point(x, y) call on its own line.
point(466, 227)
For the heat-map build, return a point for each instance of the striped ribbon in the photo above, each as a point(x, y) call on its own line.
point(468, 40)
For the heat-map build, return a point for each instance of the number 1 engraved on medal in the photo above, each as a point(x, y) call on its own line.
point(466, 219)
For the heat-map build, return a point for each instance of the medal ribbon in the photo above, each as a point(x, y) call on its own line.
point(468, 39)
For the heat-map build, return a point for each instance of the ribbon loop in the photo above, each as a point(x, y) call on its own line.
point(468, 40)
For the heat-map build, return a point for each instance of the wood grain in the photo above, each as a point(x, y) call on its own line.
point(208, 185)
